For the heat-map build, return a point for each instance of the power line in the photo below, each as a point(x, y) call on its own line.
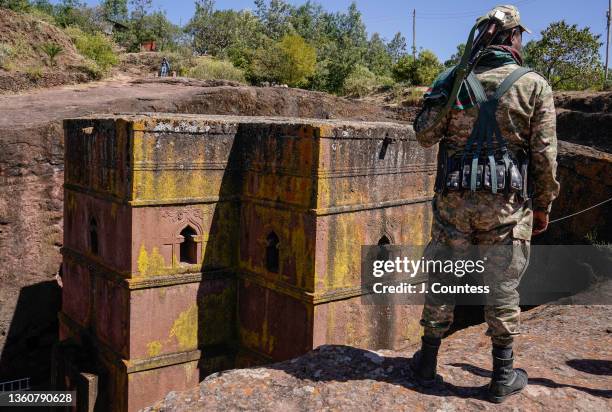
point(607, 42)
point(414, 34)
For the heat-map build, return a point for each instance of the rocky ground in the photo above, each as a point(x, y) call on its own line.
point(567, 351)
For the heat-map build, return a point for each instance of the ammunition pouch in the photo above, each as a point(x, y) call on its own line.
point(455, 174)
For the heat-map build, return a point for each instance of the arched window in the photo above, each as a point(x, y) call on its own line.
point(189, 247)
point(272, 242)
point(383, 252)
point(93, 236)
point(384, 241)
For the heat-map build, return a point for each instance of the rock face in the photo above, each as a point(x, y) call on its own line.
point(32, 174)
point(565, 349)
point(586, 180)
point(585, 118)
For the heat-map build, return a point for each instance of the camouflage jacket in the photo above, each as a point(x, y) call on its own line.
point(526, 117)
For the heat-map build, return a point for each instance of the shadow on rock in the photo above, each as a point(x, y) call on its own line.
point(549, 383)
point(345, 363)
point(33, 332)
point(592, 366)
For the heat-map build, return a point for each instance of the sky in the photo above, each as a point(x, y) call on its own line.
point(440, 24)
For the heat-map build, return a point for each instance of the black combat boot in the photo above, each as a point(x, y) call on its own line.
point(425, 361)
point(506, 380)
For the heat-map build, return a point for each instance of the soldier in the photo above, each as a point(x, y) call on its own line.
point(484, 208)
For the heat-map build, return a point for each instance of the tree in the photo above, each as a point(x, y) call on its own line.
point(16, 5)
point(275, 17)
point(566, 55)
point(43, 5)
point(419, 72)
point(397, 47)
point(291, 60)
point(115, 10)
point(456, 57)
point(377, 57)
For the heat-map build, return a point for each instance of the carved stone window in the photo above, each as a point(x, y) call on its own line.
point(93, 236)
point(189, 246)
point(272, 255)
point(383, 252)
point(384, 241)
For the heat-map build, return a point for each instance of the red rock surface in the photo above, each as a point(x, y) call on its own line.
point(567, 351)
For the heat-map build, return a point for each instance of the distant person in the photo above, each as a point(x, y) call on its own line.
point(165, 68)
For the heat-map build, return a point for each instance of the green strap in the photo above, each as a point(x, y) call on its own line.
point(477, 89)
point(460, 74)
point(486, 126)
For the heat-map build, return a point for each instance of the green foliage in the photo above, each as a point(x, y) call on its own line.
point(223, 32)
point(6, 55)
point(290, 61)
point(259, 44)
point(377, 57)
point(397, 47)
point(208, 68)
point(15, 5)
point(74, 13)
point(362, 81)
point(456, 57)
point(115, 10)
point(567, 56)
point(42, 6)
point(52, 50)
point(419, 72)
point(97, 47)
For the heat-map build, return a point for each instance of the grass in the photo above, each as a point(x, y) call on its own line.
point(6, 56)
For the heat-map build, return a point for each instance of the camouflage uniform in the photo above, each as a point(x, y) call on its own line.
point(526, 117)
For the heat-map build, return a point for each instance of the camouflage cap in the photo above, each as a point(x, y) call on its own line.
point(511, 17)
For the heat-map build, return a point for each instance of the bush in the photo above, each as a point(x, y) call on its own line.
point(96, 47)
point(208, 68)
point(362, 82)
point(6, 55)
point(52, 50)
point(420, 72)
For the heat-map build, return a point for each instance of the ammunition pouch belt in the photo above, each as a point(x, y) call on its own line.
point(455, 174)
point(486, 163)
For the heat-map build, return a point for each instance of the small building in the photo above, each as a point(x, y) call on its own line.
point(148, 46)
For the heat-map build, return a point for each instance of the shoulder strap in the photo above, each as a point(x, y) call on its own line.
point(477, 89)
point(510, 80)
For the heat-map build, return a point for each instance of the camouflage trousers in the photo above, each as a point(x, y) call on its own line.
point(507, 257)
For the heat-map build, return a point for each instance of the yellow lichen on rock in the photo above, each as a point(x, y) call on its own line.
point(185, 328)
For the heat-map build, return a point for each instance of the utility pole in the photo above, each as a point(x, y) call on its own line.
point(414, 32)
point(607, 42)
